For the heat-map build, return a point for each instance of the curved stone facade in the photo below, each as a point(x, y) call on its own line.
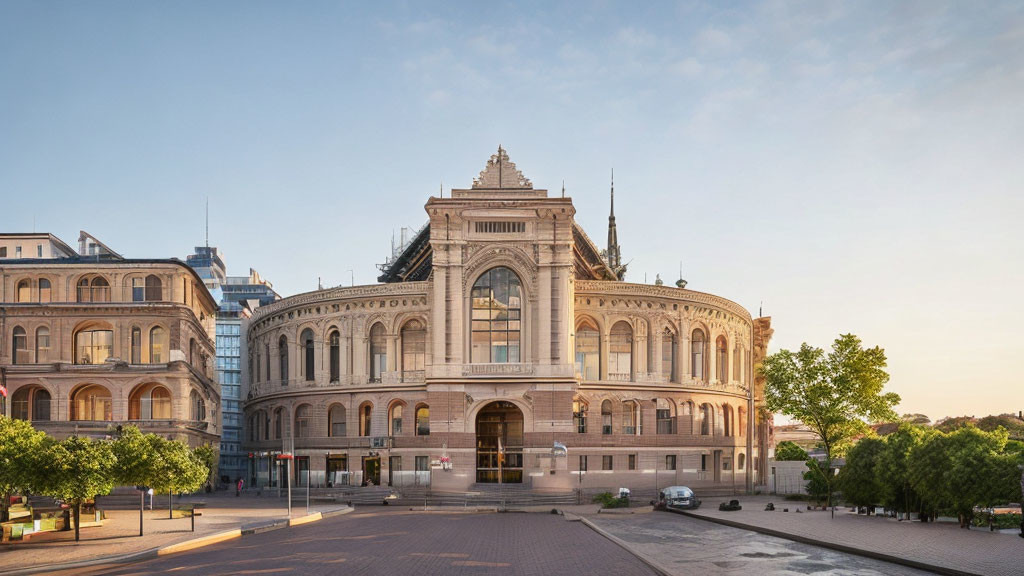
point(501, 345)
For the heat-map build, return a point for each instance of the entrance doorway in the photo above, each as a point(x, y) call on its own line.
point(371, 470)
point(499, 444)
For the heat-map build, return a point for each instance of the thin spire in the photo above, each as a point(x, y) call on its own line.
point(563, 188)
point(613, 252)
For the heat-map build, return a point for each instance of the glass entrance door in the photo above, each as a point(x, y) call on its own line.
point(499, 444)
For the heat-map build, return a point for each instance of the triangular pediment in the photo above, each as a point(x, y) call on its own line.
point(501, 174)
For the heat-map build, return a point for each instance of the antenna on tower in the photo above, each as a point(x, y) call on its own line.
point(207, 221)
point(563, 188)
point(760, 310)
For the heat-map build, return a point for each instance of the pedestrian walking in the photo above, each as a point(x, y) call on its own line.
point(238, 488)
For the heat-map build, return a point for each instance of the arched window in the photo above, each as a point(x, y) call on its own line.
point(157, 344)
point(302, 421)
point(741, 421)
point(154, 289)
point(365, 419)
point(588, 350)
point(266, 359)
point(423, 420)
point(266, 425)
point(19, 346)
point(414, 350)
point(45, 290)
point(688, 415)
point(606, 417)
point(579, 415)
point(666, 422)
point(136, 352)
point(24, 291)
point(31, 403)
point(722, 359)
point(395, 421)
point(620, 352)
point(282, 359)
point(496, 317)
point(378, 352)
point(728, 420)
point(669, 346)
point(93, 289)
point(40, 405)
point(193, 351)
point(336, 421)
point(149, 402)
point(308, 364)
point(698, 359)
point(741, 461)
point(278, 423)
point(707, 419)
point(335, 343)
point(631, 417)
point(197, 410)
point(93, 346)
point(92, 403)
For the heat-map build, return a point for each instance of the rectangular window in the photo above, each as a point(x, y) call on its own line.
point(583, 463)
point(422, 463)
point(17, 251)
point(3, 251)
point(726, 464)
point(664, 420)
point(39, 250)
point(704, 462)
point(606, 462)
point(632, 461)
point(670, 462)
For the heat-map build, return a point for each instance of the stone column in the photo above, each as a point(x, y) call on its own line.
point(544, 310)
point(605, 342)
point(439, 314)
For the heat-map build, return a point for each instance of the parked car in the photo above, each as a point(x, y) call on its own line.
point(679, 497)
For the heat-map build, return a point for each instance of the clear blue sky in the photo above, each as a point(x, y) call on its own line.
point(856, 166)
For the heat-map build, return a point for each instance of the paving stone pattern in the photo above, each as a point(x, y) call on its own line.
point(388, 542)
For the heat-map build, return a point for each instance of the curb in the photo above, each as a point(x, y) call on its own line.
point(661, 570)
point(184, 546)
point(833, 546)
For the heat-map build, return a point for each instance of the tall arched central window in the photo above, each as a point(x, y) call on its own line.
point(20, 346)
point(378, 352)
point(282, 357)
point(588, 350)
point(414, 349)
point(497, 317)
point(698, 361)
point(308, 357)
point(157, 343)
point(668, 356)
point(335, 342)
point(722, 359)
point(620, 352)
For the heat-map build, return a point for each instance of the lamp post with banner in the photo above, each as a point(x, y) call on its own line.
point(287, 457)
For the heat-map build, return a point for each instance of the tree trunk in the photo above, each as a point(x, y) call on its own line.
point(78, 518)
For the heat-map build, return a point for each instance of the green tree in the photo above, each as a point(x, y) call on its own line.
point(833, 394)
point(79, 469)
point(209, 456)
point(20, 448)
point(893, 468)
point(858, 480)
point(961, 470)
point(787, 451)
point(136, 459)
point(177, 468)
point(818, 483)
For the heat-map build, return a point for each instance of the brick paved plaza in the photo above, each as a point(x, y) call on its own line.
point(389, 541)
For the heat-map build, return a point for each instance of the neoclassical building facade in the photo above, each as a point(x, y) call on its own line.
point(501, 345)
point(90, 340)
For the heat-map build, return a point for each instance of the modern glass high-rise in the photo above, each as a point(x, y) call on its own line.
point(230, 292)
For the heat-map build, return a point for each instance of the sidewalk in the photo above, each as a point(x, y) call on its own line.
point(943, 546)
point(119, 535)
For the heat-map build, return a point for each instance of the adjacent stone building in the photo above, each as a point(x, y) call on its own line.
point(90, 339)
point(502, 345)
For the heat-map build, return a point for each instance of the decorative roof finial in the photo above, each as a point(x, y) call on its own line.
point(681, 283)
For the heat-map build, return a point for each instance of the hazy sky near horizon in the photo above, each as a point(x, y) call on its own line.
point(856, 166)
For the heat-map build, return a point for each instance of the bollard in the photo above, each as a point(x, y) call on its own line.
point(193, 517)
